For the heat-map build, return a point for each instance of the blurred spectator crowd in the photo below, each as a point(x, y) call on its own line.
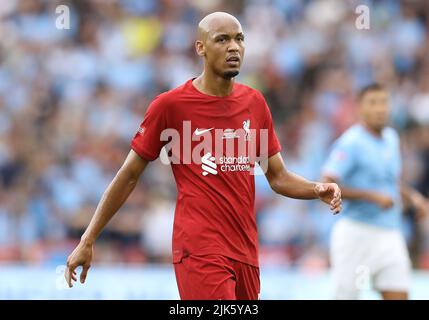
point(71, 100)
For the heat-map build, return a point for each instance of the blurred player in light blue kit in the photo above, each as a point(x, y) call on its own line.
point(366, 162)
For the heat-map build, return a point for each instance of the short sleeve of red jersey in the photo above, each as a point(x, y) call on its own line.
point(146, 142)
point(273, 142)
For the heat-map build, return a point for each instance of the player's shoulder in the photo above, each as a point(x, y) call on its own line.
point(389, 131)
point(170, 95)
point(167, 98)
point(352, 134)
point(249, 92)
point(391, 134)
point(349, 139)
point(254, 99)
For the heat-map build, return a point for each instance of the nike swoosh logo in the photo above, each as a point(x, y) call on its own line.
point(199, 132)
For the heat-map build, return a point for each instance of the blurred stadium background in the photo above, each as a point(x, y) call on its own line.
point(71, 100)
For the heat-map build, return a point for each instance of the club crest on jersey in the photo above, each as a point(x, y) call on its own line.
point(233, 134)
point(246, 127)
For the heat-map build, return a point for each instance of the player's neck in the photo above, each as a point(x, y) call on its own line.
point(214, 85)
point(374, 132)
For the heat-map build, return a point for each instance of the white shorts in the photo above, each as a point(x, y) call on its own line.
point(362, 254)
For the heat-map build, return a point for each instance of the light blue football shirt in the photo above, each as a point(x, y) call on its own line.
point(361, 160)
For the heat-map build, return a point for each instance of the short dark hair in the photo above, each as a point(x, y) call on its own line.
point(369, 88)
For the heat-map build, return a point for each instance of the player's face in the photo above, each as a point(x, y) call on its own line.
point(224, 49)
point(375, 109)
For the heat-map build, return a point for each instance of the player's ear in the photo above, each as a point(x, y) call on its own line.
point(199, 48)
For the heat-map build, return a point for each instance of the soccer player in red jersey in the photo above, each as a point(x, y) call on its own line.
point(216, 131)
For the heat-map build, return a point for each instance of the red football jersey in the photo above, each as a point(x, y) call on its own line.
point(209, 142)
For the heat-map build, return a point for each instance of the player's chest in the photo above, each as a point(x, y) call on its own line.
point(380, 161)
point(216, 117)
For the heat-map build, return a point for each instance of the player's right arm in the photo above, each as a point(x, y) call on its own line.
point(383, 201)
point(113, 198)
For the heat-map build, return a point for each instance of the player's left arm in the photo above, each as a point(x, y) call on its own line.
point(291, 185)
point(415, 199)
point(411, 197)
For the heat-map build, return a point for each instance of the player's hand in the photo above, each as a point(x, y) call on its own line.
point(420, 204)
point(383, 201)
point(81, 256)
point(330, 193)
